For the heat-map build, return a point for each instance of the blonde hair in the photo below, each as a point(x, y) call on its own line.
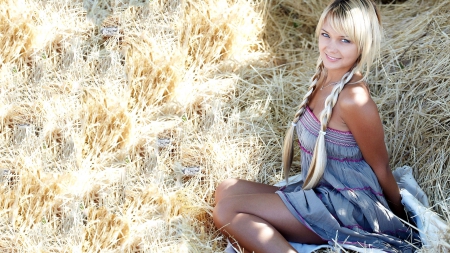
point(360, 21)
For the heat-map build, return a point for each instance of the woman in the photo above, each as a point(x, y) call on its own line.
point(349, 194)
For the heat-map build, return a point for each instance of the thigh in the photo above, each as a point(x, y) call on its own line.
point(270, 208)
point(231, 187)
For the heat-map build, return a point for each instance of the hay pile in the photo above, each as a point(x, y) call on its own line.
point(104, 106)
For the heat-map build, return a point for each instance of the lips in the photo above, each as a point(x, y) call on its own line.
point(332, 59)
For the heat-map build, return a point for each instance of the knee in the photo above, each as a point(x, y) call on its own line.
point(218, 217)
point(223, 212)
point(222, 188)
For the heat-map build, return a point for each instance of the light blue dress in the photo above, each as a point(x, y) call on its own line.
point(348, 205)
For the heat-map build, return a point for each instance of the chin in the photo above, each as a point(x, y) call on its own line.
point(331, 66)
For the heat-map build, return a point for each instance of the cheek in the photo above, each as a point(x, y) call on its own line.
point(321, 43)
point(349, 52)
point(354, 52)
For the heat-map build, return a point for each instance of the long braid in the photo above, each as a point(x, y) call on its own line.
point(288, 139)
point(319, 159)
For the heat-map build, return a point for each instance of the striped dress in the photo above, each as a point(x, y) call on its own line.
point(348, 205)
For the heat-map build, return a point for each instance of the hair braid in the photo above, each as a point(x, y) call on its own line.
point(288, 139)
point(360, 21)
point(319, 159)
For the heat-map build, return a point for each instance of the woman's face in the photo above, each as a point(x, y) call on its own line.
point(338, 53)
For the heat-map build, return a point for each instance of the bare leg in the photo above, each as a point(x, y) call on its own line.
point(231, 187)
point(261, 223)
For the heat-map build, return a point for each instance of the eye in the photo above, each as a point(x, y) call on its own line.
point(325, 35)
point(346, 41)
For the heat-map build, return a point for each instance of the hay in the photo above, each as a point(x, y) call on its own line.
point(105, 104)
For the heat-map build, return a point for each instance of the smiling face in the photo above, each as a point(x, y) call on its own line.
point(337, 51)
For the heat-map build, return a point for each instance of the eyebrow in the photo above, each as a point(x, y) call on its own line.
point(339, 36)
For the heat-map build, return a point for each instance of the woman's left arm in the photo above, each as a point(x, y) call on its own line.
point(360, 114)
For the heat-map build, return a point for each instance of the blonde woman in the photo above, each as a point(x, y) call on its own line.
point(349, 194)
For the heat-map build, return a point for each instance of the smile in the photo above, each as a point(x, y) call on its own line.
point(331, 58)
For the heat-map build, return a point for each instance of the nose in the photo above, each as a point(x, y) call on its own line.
point(331, 46)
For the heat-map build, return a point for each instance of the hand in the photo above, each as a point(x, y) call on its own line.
point(405, 180)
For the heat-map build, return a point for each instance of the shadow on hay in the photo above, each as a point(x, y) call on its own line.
point(404, 96)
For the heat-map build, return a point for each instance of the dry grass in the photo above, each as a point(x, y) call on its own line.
point(96, 129)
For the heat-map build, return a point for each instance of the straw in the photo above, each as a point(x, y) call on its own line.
point(104, 106)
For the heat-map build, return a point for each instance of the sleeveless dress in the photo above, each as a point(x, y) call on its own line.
point(348, 205)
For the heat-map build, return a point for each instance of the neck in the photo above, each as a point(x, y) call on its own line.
point(334, 76)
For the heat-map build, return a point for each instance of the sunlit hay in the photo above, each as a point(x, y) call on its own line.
point(106, 123)
point(27, 212)
point(104, 188)
point(54, 140)
point(20, 123)
point(7, 201)
point(170, 204)
point(154, 65)
point(143, 153)
point(9, 244)
point(18, 30)
point(215, 44)
point(203, 36)
point(163, 213)
point(59, 128)
point(104, 230)
point(153, 74)
point(211, 35)
point(200, 100)
point(17, 114)
point(28, 35)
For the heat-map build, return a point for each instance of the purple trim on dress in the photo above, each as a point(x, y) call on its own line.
point(349, 227)
point(330, 157)
point(320, 195)
point(353, 142)
point(394, 232)
point(332, 129)
point(360, 189)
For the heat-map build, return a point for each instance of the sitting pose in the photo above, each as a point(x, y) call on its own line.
point(347, 194)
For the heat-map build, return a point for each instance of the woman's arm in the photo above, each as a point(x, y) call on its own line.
point(360, 114)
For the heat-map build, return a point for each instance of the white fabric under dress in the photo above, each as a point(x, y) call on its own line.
point(431, 227)
point(347, 208)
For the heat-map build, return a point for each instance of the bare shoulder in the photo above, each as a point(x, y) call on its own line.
point(355, 97)
point(358, 111)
